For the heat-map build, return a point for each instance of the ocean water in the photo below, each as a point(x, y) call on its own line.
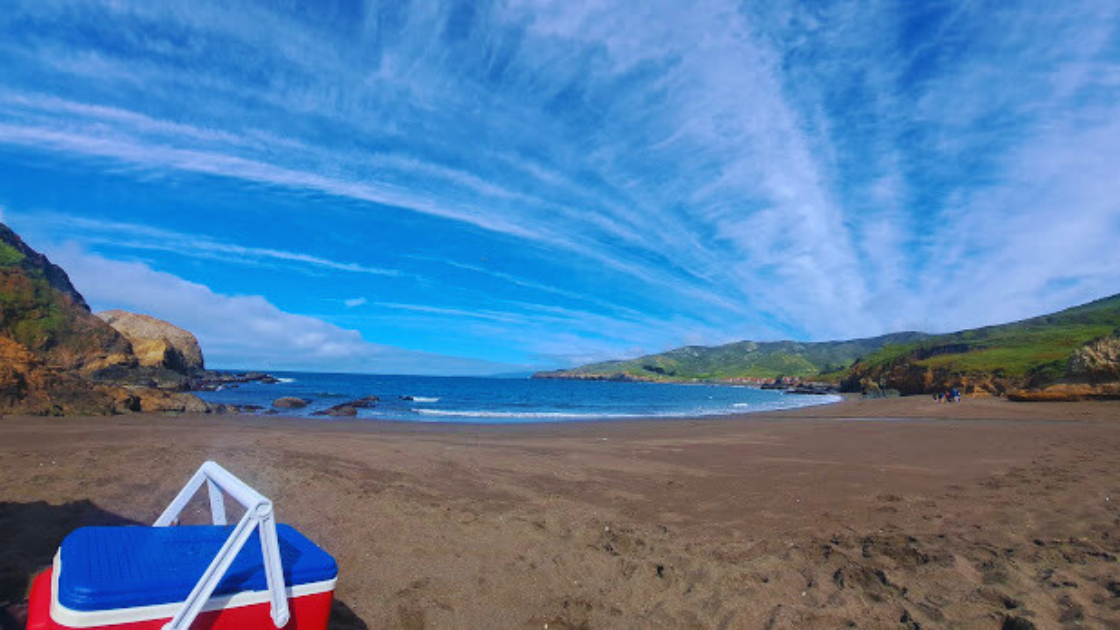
point(509, 400)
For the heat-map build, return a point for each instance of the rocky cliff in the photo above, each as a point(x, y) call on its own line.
point(1096, 362)
point(157, 343)
point(41, 310)
point(1093, 371)
point(29, 386)
point(57, 358)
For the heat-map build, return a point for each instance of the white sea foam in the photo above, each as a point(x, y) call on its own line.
point(542, 415)
point(286, 380)
point(592, 415)
point(819, 400)
point(423, 399)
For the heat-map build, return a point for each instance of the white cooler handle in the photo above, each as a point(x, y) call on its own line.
point(258, 514)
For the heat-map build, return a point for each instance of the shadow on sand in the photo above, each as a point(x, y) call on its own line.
point(30, 534)
point(342, 618)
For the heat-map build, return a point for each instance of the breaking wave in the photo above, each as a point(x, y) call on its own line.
point(540, 415)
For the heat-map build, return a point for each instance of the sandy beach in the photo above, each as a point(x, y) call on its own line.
point(861, 514)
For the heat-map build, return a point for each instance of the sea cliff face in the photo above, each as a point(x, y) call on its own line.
point(29, 386)
point(41, 310)
point(1093, 371)
point(1097, 361)
point(157, 343)
point(58, 358)
point(910, 377)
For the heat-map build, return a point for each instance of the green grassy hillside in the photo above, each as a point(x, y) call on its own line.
point(1034, 351)
point(744, 359)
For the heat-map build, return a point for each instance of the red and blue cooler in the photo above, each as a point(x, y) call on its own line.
point(255, 574)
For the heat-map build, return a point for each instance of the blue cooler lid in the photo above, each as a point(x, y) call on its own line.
point(103, 568)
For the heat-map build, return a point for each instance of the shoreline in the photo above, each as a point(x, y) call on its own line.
point(847, 407)
point(531, 407)
point(560, 417)
point(860, 511)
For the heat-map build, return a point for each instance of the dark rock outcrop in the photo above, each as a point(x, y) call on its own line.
point(349, 409)
point(338, 411)
point(246, 408)
point(209, 380)
point(155, 377)
point(812, 389)
point(289, 402)
point(364, 403)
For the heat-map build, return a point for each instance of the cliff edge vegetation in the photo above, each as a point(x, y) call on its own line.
point(1075, 347)
point(41, 310)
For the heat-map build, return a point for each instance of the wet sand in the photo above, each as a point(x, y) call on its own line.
point(887, 513)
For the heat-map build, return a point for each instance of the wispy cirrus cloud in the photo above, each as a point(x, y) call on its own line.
point(655, 174)
point(233, 329)
point(145, 237)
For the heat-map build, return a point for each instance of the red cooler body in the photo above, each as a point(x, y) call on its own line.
point(138, 577)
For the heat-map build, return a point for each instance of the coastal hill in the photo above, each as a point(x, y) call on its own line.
point(1069, 354)
point(58, 358)
point(762, 360)
point(1074, 353)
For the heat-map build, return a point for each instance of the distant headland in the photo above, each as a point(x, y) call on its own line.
point(1070, 355)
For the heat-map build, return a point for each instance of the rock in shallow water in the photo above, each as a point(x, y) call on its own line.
point(362, 403)
point(338, 411)
point(289, 402)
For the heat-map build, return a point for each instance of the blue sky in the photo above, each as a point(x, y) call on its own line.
point(477, 187)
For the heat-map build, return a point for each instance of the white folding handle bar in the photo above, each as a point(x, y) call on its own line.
point(258, 514)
